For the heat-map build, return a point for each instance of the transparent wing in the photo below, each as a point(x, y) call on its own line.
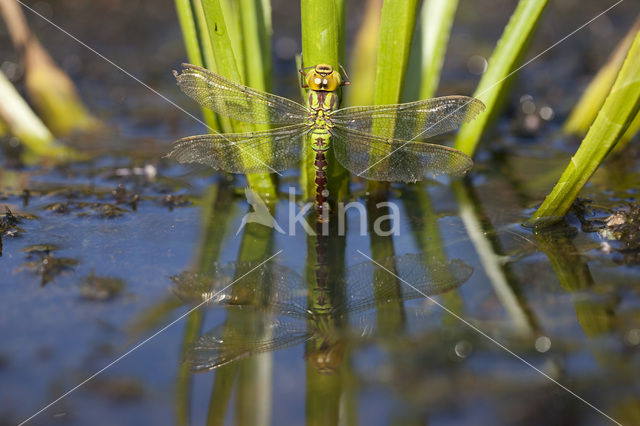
point(368, 282)
point(225, 344)
point(255, 152)
point(415, 120)
point(393, 160)
point(269, 288)
point(236, 101)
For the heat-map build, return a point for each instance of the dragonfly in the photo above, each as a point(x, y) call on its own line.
point(321, 126)
point(291, 312)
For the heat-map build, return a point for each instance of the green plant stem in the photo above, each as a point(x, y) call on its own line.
point(197, 44)
point(397, 23)
point(222, 43)
point(436, 21)
point(503, 62)
point(257, 53)
point(20, 121)
point(320, 38)
point(617, 113)
point(587, 108)
point(363, 59)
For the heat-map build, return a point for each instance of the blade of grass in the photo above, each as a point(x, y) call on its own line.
point(617, 113)
point(341, 16)
point(436, 19)
point(257, 50)
point(363, 58)
point(320, 38)
point(197, 44)
point(226, 65)
point(397, 22)
point(50, 89)
point(587, 108)
point(20, 121)
point(505, 59)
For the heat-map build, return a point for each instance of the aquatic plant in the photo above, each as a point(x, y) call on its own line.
point(612, 122)
point(587, 108)
point(231, 39)
point(506, 58)
point(50, 89)
point(19, 120)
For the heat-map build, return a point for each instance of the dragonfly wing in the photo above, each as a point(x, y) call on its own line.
point(237, 101)
point(254, 152)
point(386, 159)
point(267, 287)
point(225, 344)
point(370, 284)
point(414, 120)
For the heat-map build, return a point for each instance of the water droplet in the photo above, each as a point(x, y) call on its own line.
point(477, 65)
point(543, 344)
point(632, 337)
point(463, 349)
point(547, 113)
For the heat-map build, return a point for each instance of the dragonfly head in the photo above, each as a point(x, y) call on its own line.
point(323, 77)
point(327, 358)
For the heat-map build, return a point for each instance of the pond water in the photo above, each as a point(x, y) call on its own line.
point(460, 316)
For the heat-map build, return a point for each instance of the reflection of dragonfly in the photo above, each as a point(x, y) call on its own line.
point(280, 299)
point(397, 158)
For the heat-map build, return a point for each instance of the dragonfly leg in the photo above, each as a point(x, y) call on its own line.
point(302, 77)
point(347, 80)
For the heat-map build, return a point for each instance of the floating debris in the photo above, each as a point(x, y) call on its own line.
point(46, 265)
point(172, 201)
point(620, 225)
point(97, 288)
point(623, 225)
point(122, 197)
point(9, 226)
point(119, 389)
point(106, 210)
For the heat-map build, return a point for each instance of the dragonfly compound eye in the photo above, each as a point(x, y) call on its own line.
point(324, 69)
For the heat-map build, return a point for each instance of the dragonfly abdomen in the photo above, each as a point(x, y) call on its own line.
point(320, 140)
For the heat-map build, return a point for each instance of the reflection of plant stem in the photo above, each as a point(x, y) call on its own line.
point(215, 214)
point(431, 245)
point(221, 393)
point(479, 229)
point(595, 318)
point(192, 330)
point(256, 245)
point(391, 317)
point(326, 363)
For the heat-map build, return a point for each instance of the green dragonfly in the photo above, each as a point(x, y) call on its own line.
point(348, 131)
point(278, 300)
